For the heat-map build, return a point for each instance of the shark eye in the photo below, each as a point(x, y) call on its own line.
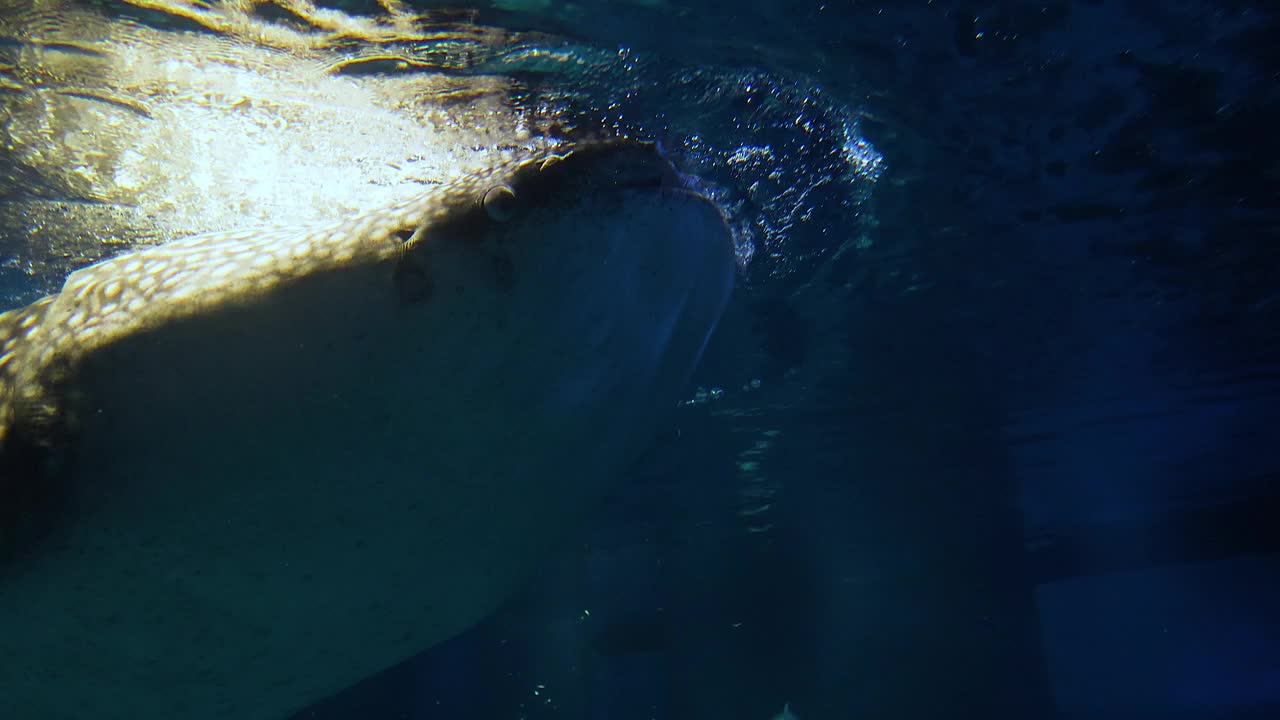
point(499, 203)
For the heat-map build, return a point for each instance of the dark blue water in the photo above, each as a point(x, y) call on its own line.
point(990, 427)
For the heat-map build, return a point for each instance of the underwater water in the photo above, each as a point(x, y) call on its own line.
point(987, 428)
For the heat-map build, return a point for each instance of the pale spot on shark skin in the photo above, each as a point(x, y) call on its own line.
point(224, 269)
point(83, 288)
point(260, 262)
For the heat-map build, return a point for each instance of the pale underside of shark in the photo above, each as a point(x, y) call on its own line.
point(246, 468)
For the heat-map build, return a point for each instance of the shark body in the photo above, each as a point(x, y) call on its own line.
point(243, 470)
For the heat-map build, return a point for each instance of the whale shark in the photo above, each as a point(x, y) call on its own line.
point(243, 470)
point(332, 354)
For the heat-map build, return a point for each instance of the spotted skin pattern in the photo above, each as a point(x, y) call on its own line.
point(130, 293)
